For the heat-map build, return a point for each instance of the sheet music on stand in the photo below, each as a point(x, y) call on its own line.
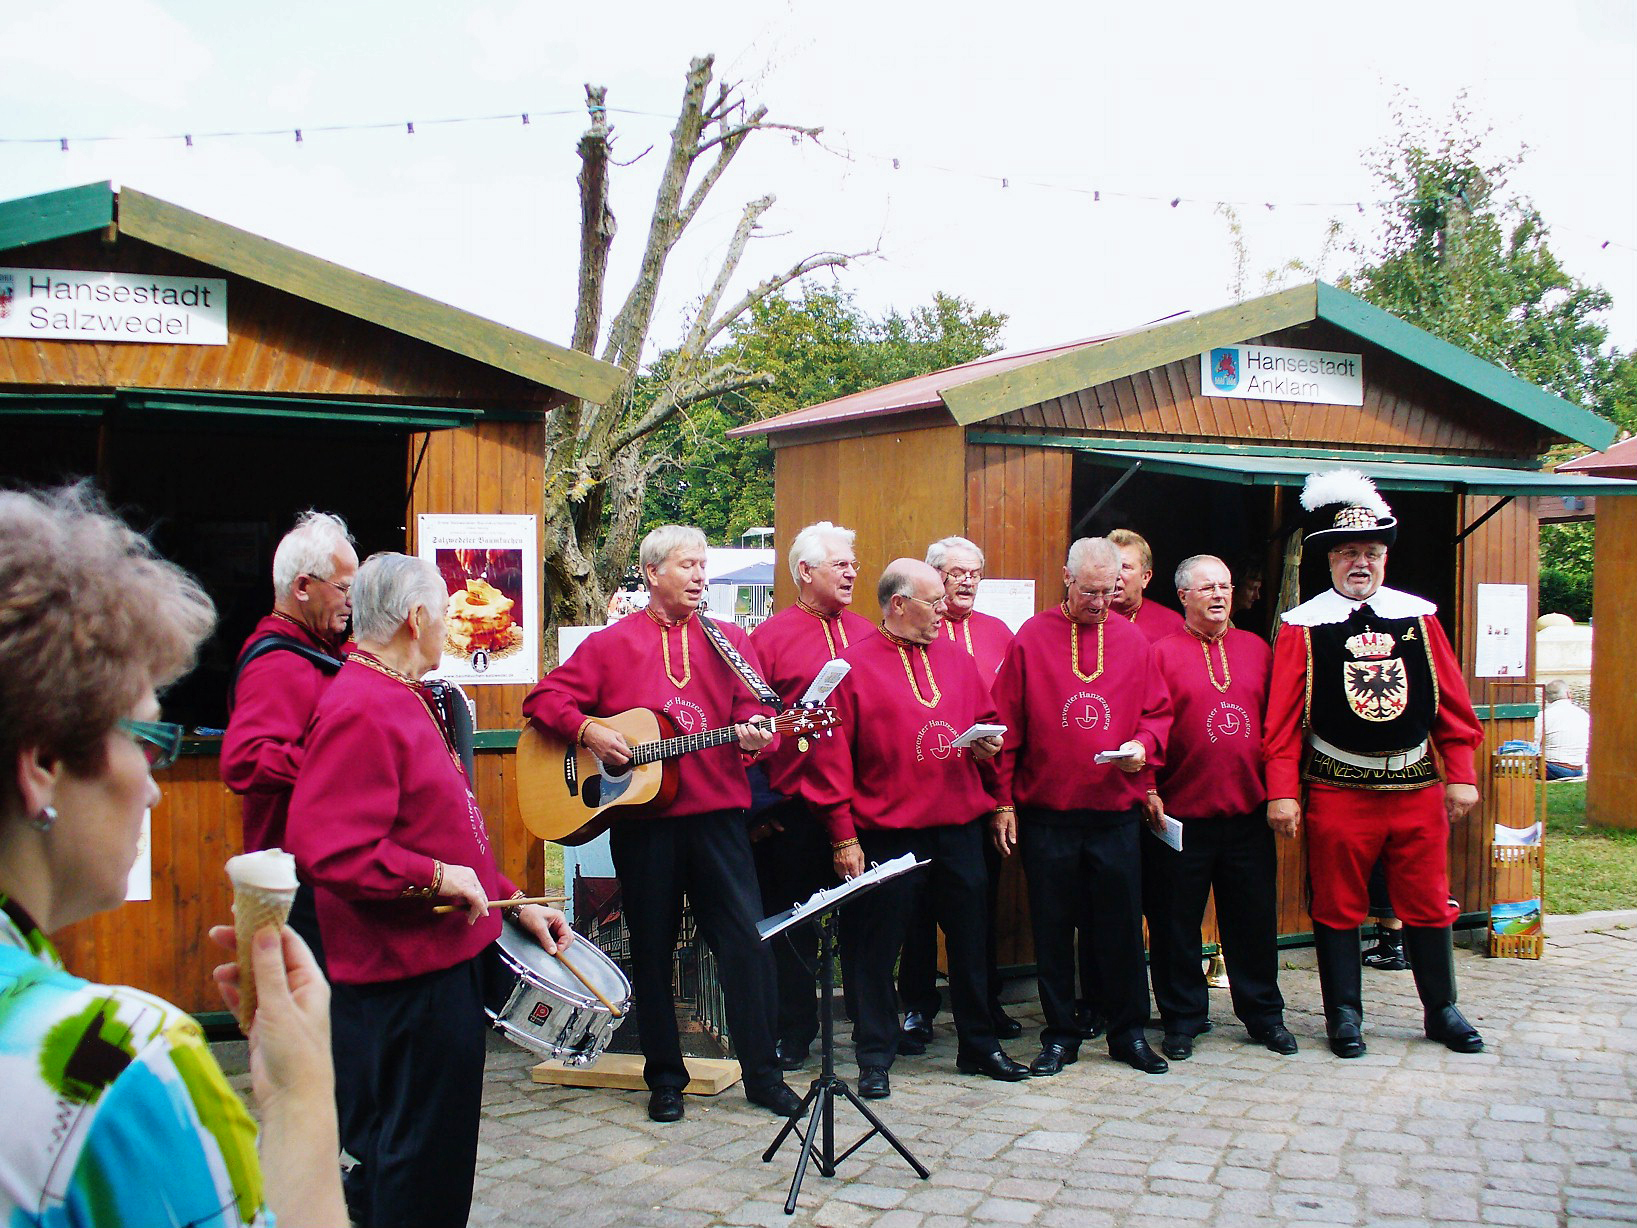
point(826, 898)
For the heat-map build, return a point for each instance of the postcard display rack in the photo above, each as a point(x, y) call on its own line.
point(1517, 854)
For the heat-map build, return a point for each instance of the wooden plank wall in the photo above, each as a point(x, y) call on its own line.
point(899, 491)
point(1403, 410)
point(278, 343)
point(1611, 786)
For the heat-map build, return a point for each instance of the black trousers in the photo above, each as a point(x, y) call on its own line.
point(413, 1094)
point(1084, 870)
point(872, 934)
point(1234, 855)
point(791, 865)
point(918, 963)
point(707, 858)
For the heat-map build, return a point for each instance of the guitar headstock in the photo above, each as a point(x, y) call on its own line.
point(805, 720)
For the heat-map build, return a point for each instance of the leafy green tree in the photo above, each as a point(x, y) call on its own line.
point(812, 347)
point(1461, 257)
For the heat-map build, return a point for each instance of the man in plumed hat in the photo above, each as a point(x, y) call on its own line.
point(1365, 686)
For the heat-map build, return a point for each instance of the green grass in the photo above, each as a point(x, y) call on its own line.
point(1588, 869)
point(554, 867)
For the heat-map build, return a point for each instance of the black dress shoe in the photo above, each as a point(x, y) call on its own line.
point(995, 1065)
point(915, 1035)
point(665, 1104)
point(1448, 1026)
point(1139, 1056)
point(1005, 1026)
point(1052, 1059)
point(874, 1083)
point(790, 1055)
point(1276, 1038)
point(777, 1098)
point(1176, 1046)
point(1346, 1038)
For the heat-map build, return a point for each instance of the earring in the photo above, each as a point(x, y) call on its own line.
point(45, 820)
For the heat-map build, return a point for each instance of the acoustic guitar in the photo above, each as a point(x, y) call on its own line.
point(566, 795)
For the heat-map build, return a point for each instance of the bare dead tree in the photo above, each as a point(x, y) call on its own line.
point(597, 457)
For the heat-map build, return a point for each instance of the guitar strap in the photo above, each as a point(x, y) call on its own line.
point(738, 664)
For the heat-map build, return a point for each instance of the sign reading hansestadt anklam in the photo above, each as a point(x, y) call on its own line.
point(74, 305)
point(1264, 373)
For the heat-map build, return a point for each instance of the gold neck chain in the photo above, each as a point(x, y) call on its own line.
point(903, 646)
point(1074, 647)
point(1221, 642)
point(966, 629)
point(824, 625)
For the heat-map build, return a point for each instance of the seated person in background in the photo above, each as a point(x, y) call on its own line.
point(1563, 729)
point(115, 1111)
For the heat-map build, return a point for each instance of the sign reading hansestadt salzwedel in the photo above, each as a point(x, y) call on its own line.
point(1264, 373)
point(75, 305)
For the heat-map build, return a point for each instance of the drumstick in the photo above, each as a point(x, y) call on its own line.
point(596, 993)
point(517, 903)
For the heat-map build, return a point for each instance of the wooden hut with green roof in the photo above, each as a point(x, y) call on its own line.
point(318, 387)
point(1159, 429)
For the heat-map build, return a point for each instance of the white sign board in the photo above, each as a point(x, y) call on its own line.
point(1503, 631)
point(139, 881)
point(1263, 373)
point(1011, 601)
point(71, 305)
point(491, 568)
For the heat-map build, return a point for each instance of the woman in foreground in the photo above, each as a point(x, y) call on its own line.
point(115, 1111)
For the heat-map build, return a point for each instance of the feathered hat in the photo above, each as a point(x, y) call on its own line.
point(1344, 505)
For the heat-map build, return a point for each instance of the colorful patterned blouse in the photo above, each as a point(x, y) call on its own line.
point(114, 1111)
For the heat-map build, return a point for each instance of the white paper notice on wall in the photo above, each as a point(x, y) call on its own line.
point(139, 884)
point(1503, 631)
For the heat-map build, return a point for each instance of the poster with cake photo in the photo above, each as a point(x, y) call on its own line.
point(491, 570)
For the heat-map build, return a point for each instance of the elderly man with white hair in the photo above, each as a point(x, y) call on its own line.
point(384, 821)
point(663, 658)
point(792, 854)
point(1087, 716)
point(283, 668)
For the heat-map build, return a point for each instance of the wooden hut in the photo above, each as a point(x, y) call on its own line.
point(1611, 773)
point(324, 388)
point(1152, 430)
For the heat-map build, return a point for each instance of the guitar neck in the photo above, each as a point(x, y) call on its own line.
point(670, 748)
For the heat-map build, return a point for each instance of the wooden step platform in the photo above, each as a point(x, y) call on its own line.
point(707, 1076)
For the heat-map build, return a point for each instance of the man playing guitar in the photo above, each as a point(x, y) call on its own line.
point(696, 845)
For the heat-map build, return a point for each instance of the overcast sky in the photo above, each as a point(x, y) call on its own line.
point(1003, 121)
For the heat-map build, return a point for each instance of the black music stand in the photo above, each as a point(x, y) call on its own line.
point(818, 1106)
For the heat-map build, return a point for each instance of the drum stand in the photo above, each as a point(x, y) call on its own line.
point(818, 1106)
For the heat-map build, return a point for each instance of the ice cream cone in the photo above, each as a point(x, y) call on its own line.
point(264, 888)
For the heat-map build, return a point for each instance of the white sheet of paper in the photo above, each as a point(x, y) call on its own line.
point(1172, 834)
point(1114, 756)
point(833, 672)
point(978, 731)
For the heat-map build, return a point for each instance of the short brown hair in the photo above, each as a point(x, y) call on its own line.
point(90, 618)
point(1124, 538)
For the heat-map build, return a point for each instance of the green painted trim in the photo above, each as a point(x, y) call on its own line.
point(1001, 393)
point(1087, 443)
point(312, 409)
point(55, 215)
point(1507, 712)
point(284, 268)
point(496, 739)
point(1459, 367)
point(86, 405)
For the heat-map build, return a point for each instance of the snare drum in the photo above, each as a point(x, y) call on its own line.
point(549, 1010)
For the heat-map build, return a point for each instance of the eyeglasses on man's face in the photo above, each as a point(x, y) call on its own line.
point(843, 565)
point(161, 741)
point(940, 603)
point(1211, 590)
point(958, 574)
point(1360, 554)
point(1093, 594)
point(344, 589)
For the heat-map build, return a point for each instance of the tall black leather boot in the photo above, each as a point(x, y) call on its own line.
point(1432, 960)
point(1341, 981)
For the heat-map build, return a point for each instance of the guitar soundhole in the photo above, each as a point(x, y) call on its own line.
point(592, 793)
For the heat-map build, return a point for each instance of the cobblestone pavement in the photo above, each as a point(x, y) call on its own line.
point(1541, 1129)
